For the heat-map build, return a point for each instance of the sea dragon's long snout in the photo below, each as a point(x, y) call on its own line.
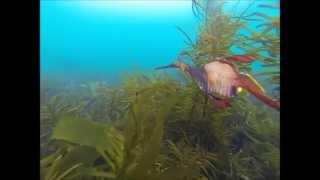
point(168, 66)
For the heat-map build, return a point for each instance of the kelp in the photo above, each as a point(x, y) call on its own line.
point(162, 110)
point(127, 155)
point(50, 111)
point(184, 153)
point(222, 32)
point(264, 43)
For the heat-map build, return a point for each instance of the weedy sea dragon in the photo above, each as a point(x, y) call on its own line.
point(221, 80)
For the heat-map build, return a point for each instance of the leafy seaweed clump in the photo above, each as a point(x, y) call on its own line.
point(168, 131)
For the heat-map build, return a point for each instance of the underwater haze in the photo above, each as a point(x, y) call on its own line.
point(104, 39)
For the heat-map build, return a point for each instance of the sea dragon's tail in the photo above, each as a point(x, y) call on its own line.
point(248, 83)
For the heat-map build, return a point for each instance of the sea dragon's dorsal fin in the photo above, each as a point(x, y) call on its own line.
point(241, 58)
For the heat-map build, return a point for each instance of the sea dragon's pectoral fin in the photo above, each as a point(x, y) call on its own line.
point(219, 102)
point(222, 103)
point(241, 58)
point(246, 82)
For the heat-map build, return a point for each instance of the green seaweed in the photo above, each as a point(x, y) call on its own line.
point(163, 110)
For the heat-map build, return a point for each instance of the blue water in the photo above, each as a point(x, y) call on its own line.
point(105, 39)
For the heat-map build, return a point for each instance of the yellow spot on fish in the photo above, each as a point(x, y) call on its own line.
point(239, 90)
